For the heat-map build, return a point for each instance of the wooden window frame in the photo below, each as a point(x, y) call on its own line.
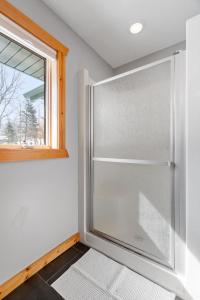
point(13, 153)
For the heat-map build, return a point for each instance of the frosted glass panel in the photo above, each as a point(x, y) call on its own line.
point(132, 115)
point(133, 204)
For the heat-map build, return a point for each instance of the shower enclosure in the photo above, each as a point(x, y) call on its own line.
point(132, 160)
point(135, 125)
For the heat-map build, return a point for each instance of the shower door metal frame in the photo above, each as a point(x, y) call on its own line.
point(170, 163)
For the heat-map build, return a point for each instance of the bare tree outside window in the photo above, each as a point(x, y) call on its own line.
point(8, 92)
point(21, 116)
point(22, 95)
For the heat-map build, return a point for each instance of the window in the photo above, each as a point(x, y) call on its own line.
point(32, 89)
point(23, 101)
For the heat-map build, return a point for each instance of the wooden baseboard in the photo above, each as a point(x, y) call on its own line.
point(8, 286)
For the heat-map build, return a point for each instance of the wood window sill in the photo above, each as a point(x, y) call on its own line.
point(18, 154)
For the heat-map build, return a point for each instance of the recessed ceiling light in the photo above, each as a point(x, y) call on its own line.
point(136, 28)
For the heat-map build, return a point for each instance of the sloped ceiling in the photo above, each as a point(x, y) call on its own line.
point(104, 24)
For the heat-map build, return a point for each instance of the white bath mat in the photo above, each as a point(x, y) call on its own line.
point(97, 277)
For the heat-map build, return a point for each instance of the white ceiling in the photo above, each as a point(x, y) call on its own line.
point(104, 24)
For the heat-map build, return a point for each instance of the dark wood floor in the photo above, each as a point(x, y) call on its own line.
point(39, 287)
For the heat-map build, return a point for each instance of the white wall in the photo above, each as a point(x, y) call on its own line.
point(193, 156)
point(39, 199)
point(150, 58)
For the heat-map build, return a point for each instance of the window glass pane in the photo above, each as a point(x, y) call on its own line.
point(132, 203)
point(132, 115)
point(22, 95)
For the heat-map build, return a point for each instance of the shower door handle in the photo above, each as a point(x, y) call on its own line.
point(135, 161)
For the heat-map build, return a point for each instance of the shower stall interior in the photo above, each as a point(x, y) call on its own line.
point(132, 194)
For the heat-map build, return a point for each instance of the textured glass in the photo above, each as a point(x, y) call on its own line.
point(132, 115)
point(133, 204)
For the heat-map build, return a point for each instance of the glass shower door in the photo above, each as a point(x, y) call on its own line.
point(132, 201)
